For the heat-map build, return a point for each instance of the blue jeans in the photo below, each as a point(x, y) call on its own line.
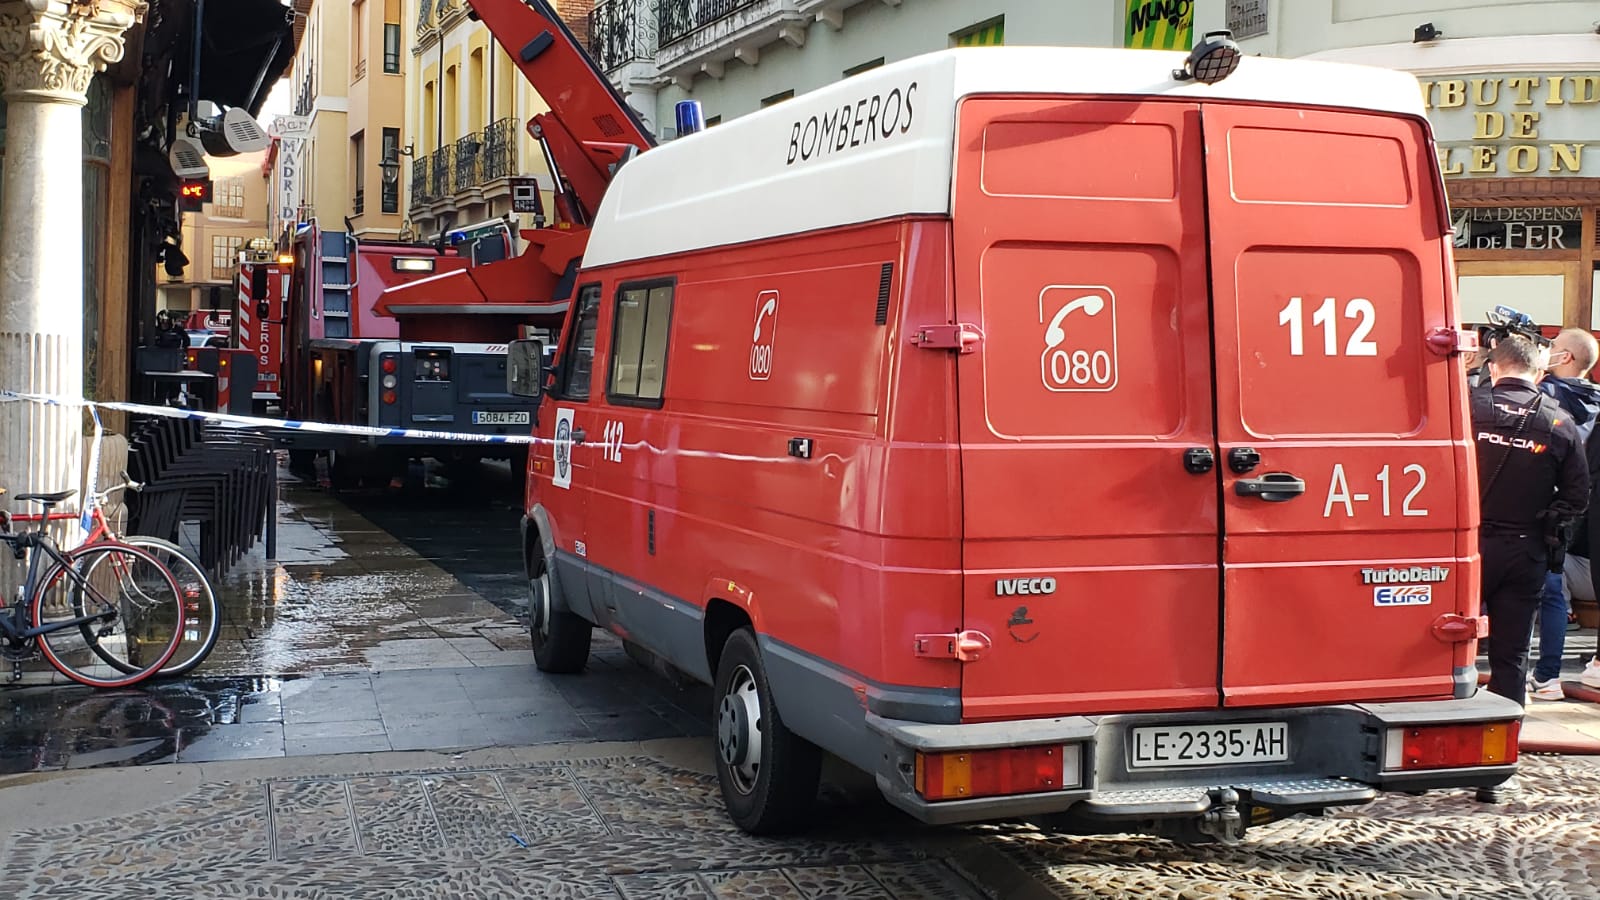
point(1552, 628)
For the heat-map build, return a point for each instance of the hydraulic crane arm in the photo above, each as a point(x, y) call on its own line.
point(589, 129)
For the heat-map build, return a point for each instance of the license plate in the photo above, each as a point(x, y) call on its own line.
point(499, 418)
point(1208, 745)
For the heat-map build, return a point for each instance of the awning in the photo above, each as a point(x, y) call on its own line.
point(245, 48)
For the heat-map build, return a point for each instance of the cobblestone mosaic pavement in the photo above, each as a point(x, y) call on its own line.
point(1543, 846)
point(634, 827)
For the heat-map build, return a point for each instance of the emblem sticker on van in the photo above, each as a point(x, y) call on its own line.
point(1080, 338)
point(1403, 595)
point(766, 335)
point(562, 446)
point(1405, 575)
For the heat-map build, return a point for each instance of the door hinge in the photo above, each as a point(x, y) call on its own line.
point(1453, 629)
point(966, 646)
point(1449, 341)
point(962, 338)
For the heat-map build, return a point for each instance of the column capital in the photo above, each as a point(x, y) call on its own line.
point(49, 49)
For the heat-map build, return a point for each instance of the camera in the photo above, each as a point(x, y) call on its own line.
point(1505, 321)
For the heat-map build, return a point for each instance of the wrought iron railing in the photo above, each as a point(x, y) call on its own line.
point(443, 163)
point(677, 19)
point(622, 31)
point(466, 153)
point(499, 149)
point(360, 201)
point(420, 189)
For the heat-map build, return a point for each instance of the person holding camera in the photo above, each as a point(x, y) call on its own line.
point(1572, 355)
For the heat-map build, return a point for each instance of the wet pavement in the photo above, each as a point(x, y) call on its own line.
point(353, 641)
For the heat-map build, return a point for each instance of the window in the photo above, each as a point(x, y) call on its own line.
point(577, 363)
point(864, 67)
point(776, 99)
point(713, 120)
point(639, 345)
point(224, 255)
point(358, 31)
point(227, 199)
point(391, 153)
point(358, 159)
point(986, 34)
point(391, 37)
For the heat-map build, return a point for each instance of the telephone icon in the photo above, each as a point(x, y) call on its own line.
point(1089, 303)
point(769, 308)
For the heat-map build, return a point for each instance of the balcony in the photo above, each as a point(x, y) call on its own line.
point(439, 177)
point(420, 195)
point(466, 153)
point(499, 150)
point(701, 36)
point(622, 32)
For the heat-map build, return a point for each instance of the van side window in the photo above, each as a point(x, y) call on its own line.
point(639, 350)
point(577, 363)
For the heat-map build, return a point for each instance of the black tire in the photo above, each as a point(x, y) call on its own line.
point(770, 788)
point(110, 581)
point(560, 637)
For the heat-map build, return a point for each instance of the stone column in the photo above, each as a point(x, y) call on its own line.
point(49, 49)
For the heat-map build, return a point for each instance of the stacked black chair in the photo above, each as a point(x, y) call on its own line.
point(223, 479)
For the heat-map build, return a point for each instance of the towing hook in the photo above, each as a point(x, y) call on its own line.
point(1223, 821)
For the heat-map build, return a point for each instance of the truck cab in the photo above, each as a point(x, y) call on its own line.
point(1078, 458)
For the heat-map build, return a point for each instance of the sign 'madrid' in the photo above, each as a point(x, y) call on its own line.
point(1515, 125)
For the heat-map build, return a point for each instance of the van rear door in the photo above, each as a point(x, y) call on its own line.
point(1091, 526)
point(1345, 470)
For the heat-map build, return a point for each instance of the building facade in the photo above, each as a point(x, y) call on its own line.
point(466, 111)
point(237, 218)
point(1513, 93)
point(736, 56)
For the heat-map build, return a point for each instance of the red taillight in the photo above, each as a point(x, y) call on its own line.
point(1453, 746)
point(388, 396)
point(388, 365)
point(989, 773)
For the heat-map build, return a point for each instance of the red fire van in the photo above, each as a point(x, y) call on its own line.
point(1040, 432)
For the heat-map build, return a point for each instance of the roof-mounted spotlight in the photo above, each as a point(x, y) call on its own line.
point(1211, 60)
point(1425, 33)
point(233, 132)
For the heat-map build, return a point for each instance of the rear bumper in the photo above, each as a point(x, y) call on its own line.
point(1337, 757)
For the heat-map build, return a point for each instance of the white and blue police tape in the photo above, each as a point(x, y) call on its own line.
point(233, 421)
point(287, 424)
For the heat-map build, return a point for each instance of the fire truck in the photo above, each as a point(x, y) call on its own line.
point(840, 425)
point(350, 357)
point(257, 323)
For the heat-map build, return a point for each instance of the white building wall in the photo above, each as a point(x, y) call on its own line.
point(1307, 27)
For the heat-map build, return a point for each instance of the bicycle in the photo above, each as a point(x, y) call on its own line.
point(100, 602)
point(202, 624)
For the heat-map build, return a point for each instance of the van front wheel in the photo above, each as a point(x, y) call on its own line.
point(560, 638)
point(768, 774)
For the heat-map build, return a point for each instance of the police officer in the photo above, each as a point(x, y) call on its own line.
point(1534, 482)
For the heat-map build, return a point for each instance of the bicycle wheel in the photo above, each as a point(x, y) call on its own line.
point(202, 624)
point(108, 600)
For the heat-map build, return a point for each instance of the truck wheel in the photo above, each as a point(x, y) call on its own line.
point(769, 774)
point(560, 638)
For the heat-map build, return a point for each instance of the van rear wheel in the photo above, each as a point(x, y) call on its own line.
point(560, 638)
point(769, 774)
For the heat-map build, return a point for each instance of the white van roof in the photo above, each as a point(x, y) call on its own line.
point(881, 144)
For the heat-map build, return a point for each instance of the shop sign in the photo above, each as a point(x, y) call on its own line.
point(1515, 125)
point(1159, 24)
point(1247, 18)
point(288, 180)
point(1518, 227)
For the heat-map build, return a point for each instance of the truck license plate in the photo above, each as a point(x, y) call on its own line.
point(1208, 745)
point(499, 418)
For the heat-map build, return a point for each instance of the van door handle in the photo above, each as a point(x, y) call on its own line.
point(579, 435)
point(1273, 487)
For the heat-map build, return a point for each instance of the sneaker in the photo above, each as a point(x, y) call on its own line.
point(1549, 690)
point(1501, 792)
point(1591, 674)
